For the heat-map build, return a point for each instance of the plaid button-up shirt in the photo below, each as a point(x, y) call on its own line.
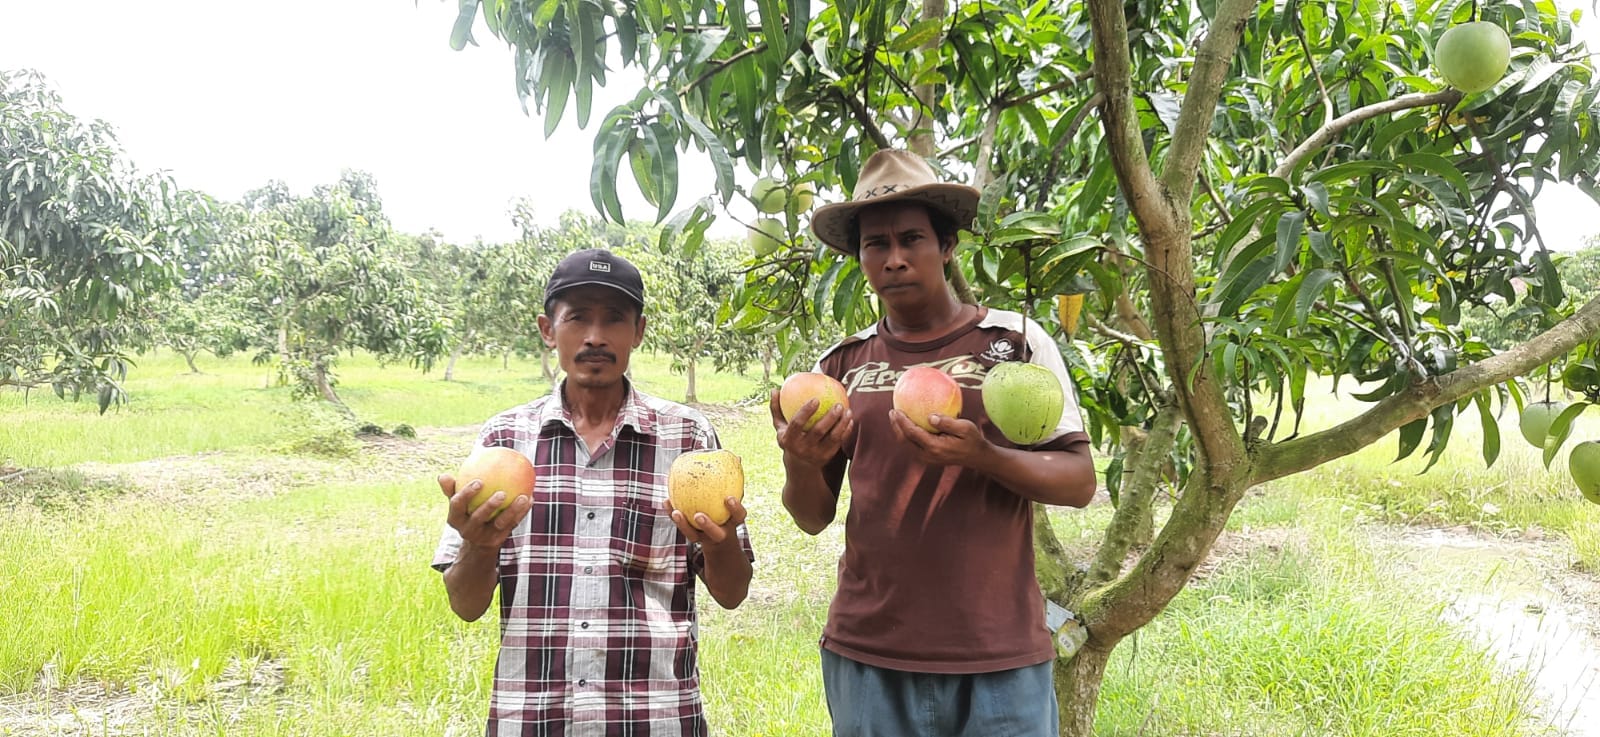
point(597, 592)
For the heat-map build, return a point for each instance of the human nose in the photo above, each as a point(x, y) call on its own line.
point(594, 336)
point(896, 257)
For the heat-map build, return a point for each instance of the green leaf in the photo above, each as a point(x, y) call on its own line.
point(663, 166)
point(1411, 437)
point(557, 78)
point(915, 36)
point(1246, 272)
point(1491, 428)
point(772, 31)
point(1316, 282)
point(1243, 222)
point(1440, 166)
point(1560, 430)
point(1444, 419)
point(721, 162)
point(1317, 194)
point(461, 33)
point(1291, 225)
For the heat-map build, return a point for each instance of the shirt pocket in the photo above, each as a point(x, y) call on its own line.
point(643, 536)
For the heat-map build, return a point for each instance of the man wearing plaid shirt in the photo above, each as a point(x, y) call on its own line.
point(596, 571)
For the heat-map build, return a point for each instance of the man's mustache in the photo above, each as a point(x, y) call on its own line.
point(595, 355)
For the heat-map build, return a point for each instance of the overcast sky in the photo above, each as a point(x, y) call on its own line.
point(227, 95)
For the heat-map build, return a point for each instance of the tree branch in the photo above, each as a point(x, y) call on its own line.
point(1211, 63)
point(1099, 326)
point(864, 117)
point(722, 65)
point(1041, 92)
point(1310, 451)
point(1137, 495)
point(1067, 136)
point(1164, 227)
point(1325, 135)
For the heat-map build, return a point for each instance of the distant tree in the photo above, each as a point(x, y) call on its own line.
point(1503, 323)
point(324, 274)
point(688, 293)
point(200, 312)
point(83, 241)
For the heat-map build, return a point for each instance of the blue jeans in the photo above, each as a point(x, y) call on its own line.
point(867, 701)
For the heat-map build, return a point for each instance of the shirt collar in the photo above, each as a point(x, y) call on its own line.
point(634, 413)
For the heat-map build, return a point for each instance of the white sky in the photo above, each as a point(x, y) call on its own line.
point(228, 95)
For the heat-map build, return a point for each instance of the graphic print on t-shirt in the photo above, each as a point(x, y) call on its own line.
point(878, 376)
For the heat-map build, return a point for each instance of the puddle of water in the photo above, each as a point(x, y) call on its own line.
point(1497, 594)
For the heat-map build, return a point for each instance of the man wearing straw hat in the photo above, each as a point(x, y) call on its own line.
point(937, 627)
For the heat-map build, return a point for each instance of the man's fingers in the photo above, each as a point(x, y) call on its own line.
point(447, 484)
point(736, 511)
point(777, 411)
point(708, 529)
point(684, 527)
point(513, 514)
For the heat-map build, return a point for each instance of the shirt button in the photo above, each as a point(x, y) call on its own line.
point(591, 515)
point(584, 625)
point(583, 681)
point(588, 569)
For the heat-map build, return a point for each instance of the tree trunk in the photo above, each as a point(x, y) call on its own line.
point(689, 395)
point(324, 385)
point(450, 366)
point(188, 357)
point(544, 365)
point(505, 360)
point(1078, 689)
point(766, 366)
point(284, 359)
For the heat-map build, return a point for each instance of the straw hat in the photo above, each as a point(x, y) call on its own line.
point(893, 176)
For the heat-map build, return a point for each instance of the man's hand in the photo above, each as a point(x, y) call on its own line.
point(958, 443)
point(482, 528)
point(812, 448)
point(710, 534)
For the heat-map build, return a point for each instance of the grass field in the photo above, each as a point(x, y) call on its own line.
point(201, 562)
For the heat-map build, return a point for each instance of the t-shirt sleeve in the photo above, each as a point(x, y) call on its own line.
point(1046, 353)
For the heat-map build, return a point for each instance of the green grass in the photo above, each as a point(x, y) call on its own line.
point(235, 404)
point(1514, 494)
point(1310, 639)
point(320, 572)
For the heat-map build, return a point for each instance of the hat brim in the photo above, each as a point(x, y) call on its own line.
point(831, 223)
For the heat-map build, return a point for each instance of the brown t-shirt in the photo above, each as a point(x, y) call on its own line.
point(937, 574)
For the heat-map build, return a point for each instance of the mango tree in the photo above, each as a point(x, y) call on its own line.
point(686, 289)
point(323, 274)
point(83, 242)
point(1252, 194)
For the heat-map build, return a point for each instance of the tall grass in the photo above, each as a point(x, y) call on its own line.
point(1317, 638)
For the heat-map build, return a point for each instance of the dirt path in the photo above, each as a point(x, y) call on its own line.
point(253, 472)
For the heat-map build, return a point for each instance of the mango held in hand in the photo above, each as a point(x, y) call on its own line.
point(1584, 465)
point(923, 391)
point(806, 386)
point(1023, 400)
point(700, 480)
point(500, 469)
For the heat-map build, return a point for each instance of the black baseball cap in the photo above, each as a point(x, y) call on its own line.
point(599, 267)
